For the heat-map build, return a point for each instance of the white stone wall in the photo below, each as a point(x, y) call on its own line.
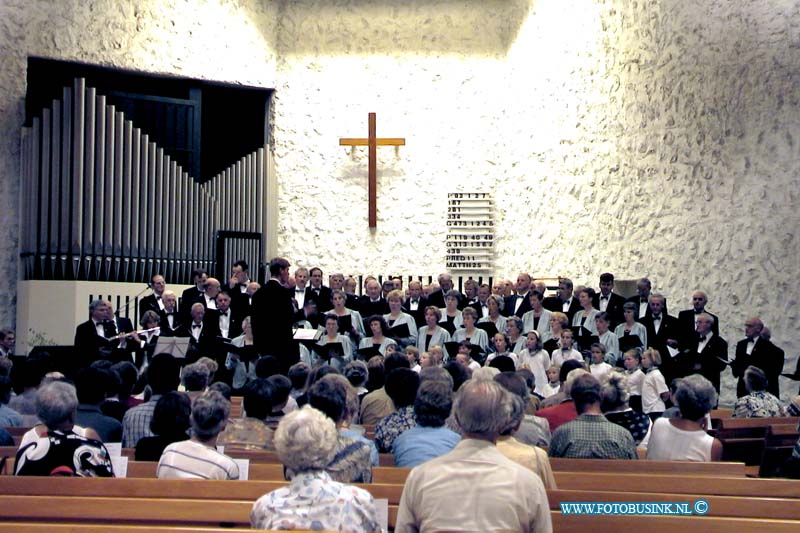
point(641, 138)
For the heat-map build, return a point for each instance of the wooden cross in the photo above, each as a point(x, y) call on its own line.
point(373, 142)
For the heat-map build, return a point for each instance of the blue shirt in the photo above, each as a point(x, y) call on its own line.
point(373, 451)
point(9, 417)
point(419, 444)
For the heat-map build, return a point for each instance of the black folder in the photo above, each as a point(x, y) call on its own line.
point(448, 326)
point(345, 324)
point(489, 327)
point(327, 351)
point(399, 331)
point(365, 354)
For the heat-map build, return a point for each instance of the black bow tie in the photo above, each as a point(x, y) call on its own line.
point(197, 326)
point(604, 297)
point(642, 300)
point(170, 314)
point(702, 338)
point(657, 317)
point(751, 339)
point(299, 290)
point(223, 314)
point(158, 297)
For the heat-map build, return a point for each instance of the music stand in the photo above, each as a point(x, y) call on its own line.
point(175, 346)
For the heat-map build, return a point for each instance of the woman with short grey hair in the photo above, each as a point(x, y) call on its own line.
point(758, 403)
point(685, 438)
point(59, 447)
point(306, 444)
point(198, 457)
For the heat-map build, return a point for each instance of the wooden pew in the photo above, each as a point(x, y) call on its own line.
point(236, 406)
point(667, 524)
point(733, 506)
point(56, 527)
point(741, 423)
point(622, 466)
point(678, 484)
point(778, 445)
point(191, 489)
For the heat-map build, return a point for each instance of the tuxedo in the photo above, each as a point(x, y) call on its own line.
point(322, 296)
point(89, 346)
point(206, 345)
point(188, 297)
point(437, 298)
point(419, 314)
point(709, 358)
point(636, 300)
point(510, 303)
point(556, 304)
point(367, 307)
point(234, 321)
point(351, 301)
point(614, 307)
point(669, 329)
point(687, 327)
point(271, 319)
point(148, 303)
point(239, 299)
point(166, 330)
point(765, 356)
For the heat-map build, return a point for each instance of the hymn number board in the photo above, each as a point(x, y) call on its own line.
point(470, 231)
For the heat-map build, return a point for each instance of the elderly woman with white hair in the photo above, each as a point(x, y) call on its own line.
point(758, 403)
point(59, 447)
point(306, 444)
point(685, 438)
point(198, 458)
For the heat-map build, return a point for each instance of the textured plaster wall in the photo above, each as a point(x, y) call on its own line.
point(215, 39)
point(643, 138)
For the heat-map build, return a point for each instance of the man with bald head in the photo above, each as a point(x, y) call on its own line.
point(518, 303)
point(517, 500)
point(705, 352)
point(687, 319)
point(372, 303)
point(445, 285)
point(760, 352)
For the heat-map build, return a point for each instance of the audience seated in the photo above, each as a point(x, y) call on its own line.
point(347, 426)
point(352, 461)
point(8, 416)
point(307, 442)
point(298, 374)
point(533, 458)
point(91, 384)
point(163, 377)
point(377, 404)
point(428, 438)
point(282, 402)
point(533, 430)
point(170, 423)
point(31, 372)
point(758, 403)
point(198, 457)
point(195, 379)
point(565, 411)
point(401, 386)
point(591, 435)
point(511, 498)
point(685, 438)
point(123, 378)
point(59, 448)
point(615, 406)
point(561, 396)
point(251, 431)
